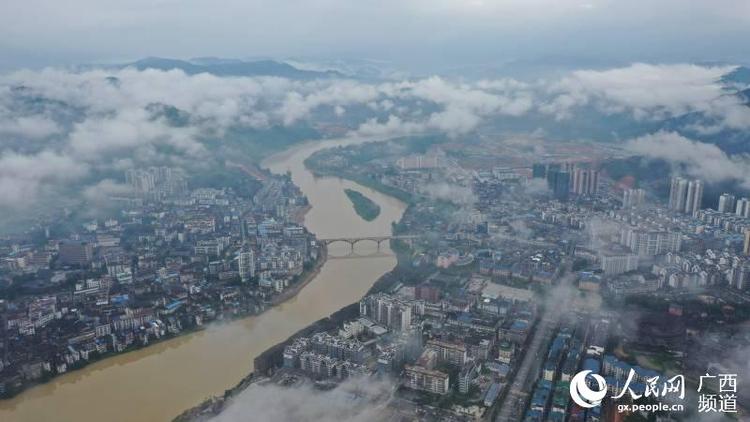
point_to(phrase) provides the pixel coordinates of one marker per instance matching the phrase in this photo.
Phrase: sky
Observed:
(421, 35)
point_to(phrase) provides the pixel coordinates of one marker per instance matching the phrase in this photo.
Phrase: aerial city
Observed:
(313, 211)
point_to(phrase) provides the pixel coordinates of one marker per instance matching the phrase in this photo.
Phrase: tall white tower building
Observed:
(246, 261)
(678, 194)
(694, 197)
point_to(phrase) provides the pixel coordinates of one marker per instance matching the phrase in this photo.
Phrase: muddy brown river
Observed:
(159, 382)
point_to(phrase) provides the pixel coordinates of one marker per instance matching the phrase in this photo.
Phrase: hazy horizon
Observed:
(418, 36)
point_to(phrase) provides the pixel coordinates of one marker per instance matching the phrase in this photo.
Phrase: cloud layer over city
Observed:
(58, 127)
(354, 400)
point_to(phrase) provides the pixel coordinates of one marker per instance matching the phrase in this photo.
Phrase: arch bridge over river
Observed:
(377, 239)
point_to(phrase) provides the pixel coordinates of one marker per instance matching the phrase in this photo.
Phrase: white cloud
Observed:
(393, 126)
(460, 107)
(125, 118)
(457, 194)
(354, 400)
(537, 187)
(701, 160)
(24, 177)
(126, 131)
(650, 92)
(99, 195)
(338, 94)
(31, 127)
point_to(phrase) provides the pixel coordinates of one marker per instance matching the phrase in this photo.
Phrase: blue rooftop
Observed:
(519, 325)
(174, 305)
(592, 365)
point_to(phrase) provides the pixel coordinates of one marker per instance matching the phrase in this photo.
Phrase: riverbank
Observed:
(299, 216)
(373, 184)
(271, 359)
(84, 364)
(320, 171)
(303, 280)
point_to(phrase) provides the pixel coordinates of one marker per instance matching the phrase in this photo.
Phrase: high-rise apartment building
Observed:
(677, 194)
(246, 261)
(539, 171)
(156, 181)
(388, 310)
(416, 162)
(585, 181)
(618, 263)
(726, 203)
(694, 197)
(685, 196)
(644, 242)
(454, 353)
(420, 378)
(559, 183)
(633, 198)
(742, 208)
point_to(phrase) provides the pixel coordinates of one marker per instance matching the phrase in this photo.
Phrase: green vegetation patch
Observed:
(364, 206)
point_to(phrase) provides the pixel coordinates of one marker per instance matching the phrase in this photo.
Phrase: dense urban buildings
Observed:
(175, 258)
(465, 335)
(462, 328)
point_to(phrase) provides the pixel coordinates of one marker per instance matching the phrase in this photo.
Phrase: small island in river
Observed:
(364, 206)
